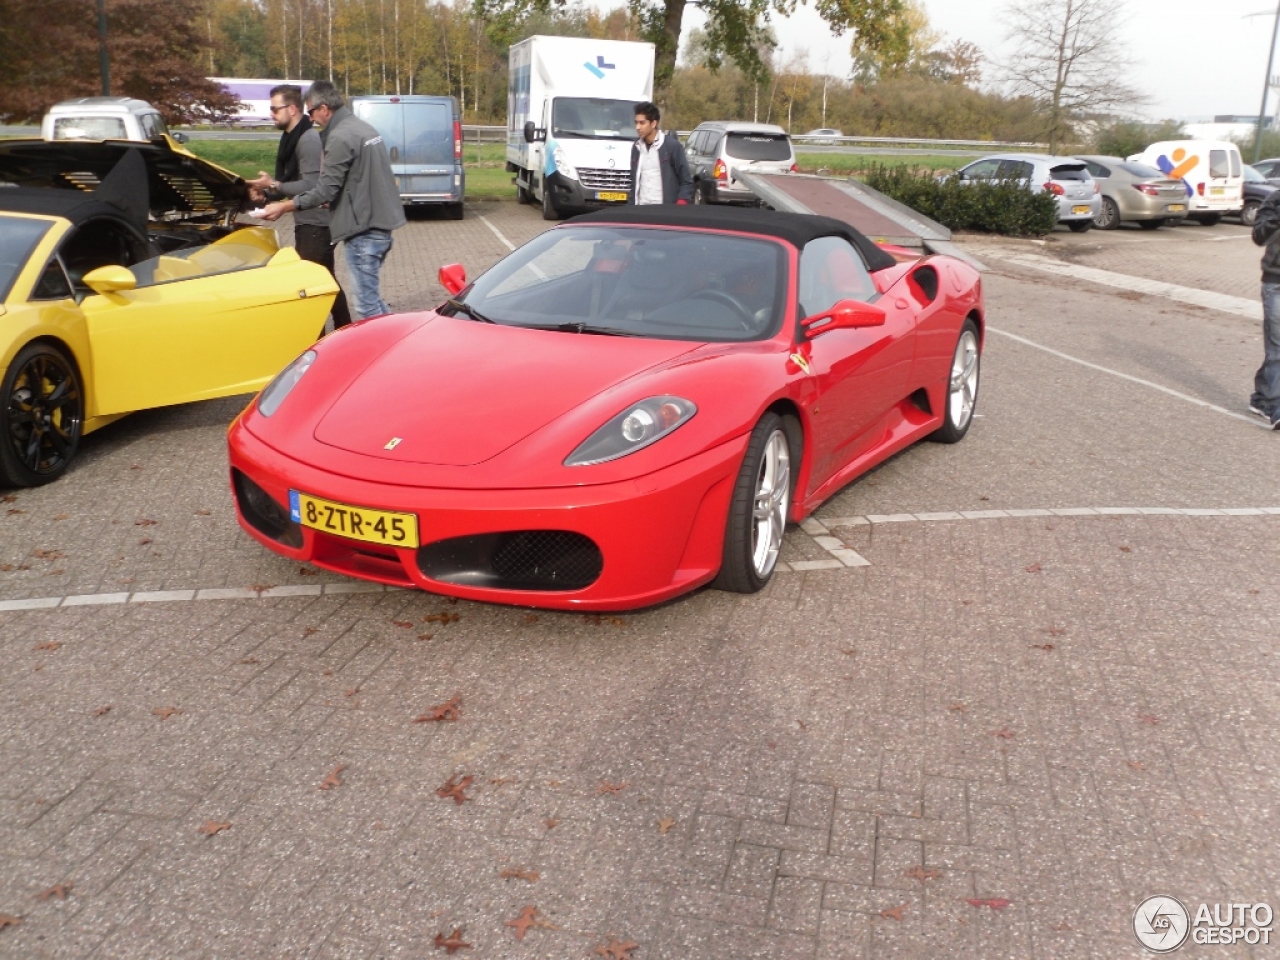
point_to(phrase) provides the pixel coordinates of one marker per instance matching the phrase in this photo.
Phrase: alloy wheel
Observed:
(964, 380)
(43, 414)
(772, 499)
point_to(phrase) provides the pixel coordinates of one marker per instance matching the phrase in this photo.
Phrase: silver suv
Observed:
(1068, 179)
(719, 148)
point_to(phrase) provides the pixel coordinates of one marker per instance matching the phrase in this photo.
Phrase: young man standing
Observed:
(659, 168)
(357, 182)
(1265, 401)
(297, 171)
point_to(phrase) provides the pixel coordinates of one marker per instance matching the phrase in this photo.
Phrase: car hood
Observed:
(170, 183)
(458, 392)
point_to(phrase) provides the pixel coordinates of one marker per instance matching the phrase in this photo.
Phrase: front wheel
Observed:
(42, 416)
(761, 501)
(549, 211)
(1079, 226)
(1108, 217)
(1249, 215)
(962, 387)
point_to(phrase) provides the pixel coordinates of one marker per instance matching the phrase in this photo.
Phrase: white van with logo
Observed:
(1210, 170)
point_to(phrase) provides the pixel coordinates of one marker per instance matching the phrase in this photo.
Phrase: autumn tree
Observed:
(1066, 57)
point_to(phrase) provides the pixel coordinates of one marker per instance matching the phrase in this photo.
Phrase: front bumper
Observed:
(659, 536)
(569, 194)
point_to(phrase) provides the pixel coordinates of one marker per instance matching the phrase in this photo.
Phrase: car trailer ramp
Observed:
(868, 211)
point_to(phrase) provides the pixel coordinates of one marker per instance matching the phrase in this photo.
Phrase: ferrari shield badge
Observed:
(392, 443)
(799, 360)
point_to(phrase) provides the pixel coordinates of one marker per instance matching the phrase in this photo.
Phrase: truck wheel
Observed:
(549, 211)
(522, 194)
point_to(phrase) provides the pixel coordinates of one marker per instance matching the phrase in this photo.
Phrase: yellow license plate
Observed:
(1177, 207)
(1217, 191)
(611, 196)
(1080, 208)
(355, 523)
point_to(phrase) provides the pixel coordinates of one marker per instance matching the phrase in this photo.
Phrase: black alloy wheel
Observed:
(42, 416)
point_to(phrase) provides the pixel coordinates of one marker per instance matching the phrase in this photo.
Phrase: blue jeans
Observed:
(365, 254)
(1266, 382)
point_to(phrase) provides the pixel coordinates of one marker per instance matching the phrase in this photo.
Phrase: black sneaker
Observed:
(1258, 411)
(1275, 424)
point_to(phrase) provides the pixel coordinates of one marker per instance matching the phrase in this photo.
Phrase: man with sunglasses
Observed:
(298, 160)
(357, 183)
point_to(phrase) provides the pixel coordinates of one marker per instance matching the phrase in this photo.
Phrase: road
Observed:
(1052, 693)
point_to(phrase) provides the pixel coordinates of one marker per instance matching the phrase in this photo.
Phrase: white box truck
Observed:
(571, 120)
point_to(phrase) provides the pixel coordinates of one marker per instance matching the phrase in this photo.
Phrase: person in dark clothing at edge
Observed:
(1265, 401)
(297, 171)
(357, 183)
(659, 168)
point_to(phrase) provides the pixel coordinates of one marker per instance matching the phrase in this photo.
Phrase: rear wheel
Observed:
(1079, 226)
(1249, 215)
(761, 501)
(1151, 224)
(42, 416)
(698, 196)
(523, 195)
(962, 387)
(1108, 217)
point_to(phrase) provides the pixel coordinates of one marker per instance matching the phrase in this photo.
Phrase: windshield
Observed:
(1252, 175)
(594, 119)
(1142, 170)
(89, 128)
(758, 146)
(635, 281)
(18, 237)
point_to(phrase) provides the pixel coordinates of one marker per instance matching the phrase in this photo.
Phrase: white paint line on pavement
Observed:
(497, 233)
(1171, 291)
(1252, 421)
(878, 519)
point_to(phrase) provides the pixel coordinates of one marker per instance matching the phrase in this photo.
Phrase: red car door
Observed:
(860, 374)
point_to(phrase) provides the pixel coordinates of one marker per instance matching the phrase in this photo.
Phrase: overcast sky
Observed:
(1194, 58)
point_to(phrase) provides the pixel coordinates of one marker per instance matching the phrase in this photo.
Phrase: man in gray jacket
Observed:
(297, 171)
(1265, 401)
(357, 183)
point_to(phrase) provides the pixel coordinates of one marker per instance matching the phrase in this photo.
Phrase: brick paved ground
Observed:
(1069, 713)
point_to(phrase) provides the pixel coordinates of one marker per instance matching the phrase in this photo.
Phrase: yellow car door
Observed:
(215, 321)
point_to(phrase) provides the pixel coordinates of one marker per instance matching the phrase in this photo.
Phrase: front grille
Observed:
(263, 513)
(599, 178)
(515, 560)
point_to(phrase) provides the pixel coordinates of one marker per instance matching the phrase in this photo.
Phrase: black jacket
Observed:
(677, 181)
(1266, 233)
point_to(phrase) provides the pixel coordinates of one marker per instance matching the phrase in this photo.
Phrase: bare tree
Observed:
(1066, 57)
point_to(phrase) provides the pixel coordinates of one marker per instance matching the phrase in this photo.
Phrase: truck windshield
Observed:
(593, 119)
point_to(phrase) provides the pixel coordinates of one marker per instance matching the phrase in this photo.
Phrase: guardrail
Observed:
(991, 145)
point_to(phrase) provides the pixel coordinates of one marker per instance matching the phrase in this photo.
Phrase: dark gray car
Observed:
(1135, 192)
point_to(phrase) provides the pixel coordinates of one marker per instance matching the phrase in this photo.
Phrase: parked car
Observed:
(618, 412)
(125, 285)
(719, 148)
(1256, 189)
(825, 135)
(1135, 192)
(1210, 173)
(1268, 168)
(1068, 179)
(424, 137)
(105, 118)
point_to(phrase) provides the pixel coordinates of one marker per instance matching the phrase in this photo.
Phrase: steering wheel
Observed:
(745, 316)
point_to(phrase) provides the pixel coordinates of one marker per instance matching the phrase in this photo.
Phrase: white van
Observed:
(1211, 171)
(105, 118)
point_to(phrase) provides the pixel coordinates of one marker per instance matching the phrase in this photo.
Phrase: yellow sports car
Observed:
(125, 284)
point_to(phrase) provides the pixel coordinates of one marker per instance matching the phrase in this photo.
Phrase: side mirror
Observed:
(530, 131)
(844, 315)
(453, 277)
(180, 137)
(110, 280)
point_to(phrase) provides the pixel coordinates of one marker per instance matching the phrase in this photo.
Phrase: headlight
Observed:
(563, 165)
(270, 399)
(633, 429)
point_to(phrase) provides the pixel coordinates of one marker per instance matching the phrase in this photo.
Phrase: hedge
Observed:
(1006, 207)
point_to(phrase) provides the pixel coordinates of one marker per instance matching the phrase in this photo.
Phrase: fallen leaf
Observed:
(453, 787)
(164, 713)
(202, 512)
(551, 824)
(665, 824)
(1046, 647)
(607, 787)
(1034, 568)
(307, 572)
(1148, 719)
(513, 874)
(261, 588)
(529, 917)
(1004, 733)
(248, 659)
(6, 567)
(771, 745)
(47, 645)
(145, 522)
(918, 873)
(1126, 549)
(500, 781)
(58, 891)
(966, 602)
(8, 921)
(1136, 764)
(530, 618)
(617, 950)
(453, 942)
(63, 516)
(599, 618)
(894, 913)
(333, 779)
(447, 712)
(995, 903)
(442, 618)
(308, 631)
(351, 693)
(1055, 631)
(849, 653)
(406, 624)
(212, 828)
(803, 725)
(379, 825)
(327, 673)
(144, 541)
(136, 466)
(425, 636)
(14, 511)
(9, 498)
(103, 710)
(47, 554)
(958, 707)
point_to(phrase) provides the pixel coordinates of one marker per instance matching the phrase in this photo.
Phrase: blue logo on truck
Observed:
(599, 67)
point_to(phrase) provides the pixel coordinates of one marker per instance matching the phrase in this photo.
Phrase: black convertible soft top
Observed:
(795, 228)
